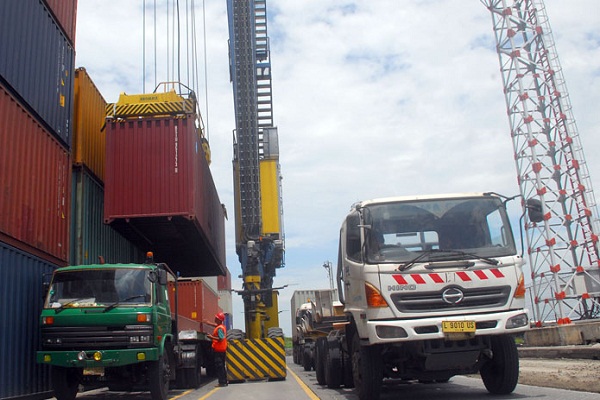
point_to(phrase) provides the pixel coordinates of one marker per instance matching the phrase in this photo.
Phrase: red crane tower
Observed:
(552, 172)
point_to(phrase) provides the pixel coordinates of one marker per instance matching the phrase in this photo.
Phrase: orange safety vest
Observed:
(220, 345)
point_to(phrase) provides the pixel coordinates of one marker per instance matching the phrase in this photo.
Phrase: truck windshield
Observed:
(436, 230)
(99, 288)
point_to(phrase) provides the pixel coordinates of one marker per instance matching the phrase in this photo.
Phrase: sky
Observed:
(371, 99)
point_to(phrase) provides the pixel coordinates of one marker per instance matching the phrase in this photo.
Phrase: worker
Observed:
(219, 345)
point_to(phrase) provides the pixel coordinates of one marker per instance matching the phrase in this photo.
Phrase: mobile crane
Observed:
(257, 177)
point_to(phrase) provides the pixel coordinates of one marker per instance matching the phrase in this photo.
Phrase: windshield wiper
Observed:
(464, 255)
(437, 255)
(412, 262)
(113, 305)
(62, 306)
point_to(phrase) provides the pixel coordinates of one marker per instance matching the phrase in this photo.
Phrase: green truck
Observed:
(111, 325)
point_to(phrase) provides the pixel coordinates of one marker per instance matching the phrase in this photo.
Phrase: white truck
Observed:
(314, 315)
(432, 287)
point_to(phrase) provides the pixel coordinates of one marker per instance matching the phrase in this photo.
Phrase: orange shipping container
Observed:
(89, 138)
(35, 184)
(196, 302)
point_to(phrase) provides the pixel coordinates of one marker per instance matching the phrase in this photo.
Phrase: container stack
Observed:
(36, 104)
(90, 237)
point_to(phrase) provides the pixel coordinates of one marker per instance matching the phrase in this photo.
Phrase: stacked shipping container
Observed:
(36, 95)
(90, 237)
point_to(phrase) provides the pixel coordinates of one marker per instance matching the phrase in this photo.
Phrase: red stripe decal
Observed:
(436, 278)
(497, 273)
(463, 276)
(481, 274)
(400, 279)
(418, 279)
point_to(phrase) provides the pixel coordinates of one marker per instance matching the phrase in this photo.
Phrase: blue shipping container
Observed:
(37, 63)
(21, 300)
(90, 237)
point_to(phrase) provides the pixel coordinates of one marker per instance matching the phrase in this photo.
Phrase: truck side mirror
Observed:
(162, 277)
(534, 210)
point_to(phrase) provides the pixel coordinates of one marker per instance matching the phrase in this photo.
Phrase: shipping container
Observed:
(90, 237)
(196, 303)
(35, 183)
(159, 193)
(65, 13)
(36, 63)
(224, 281)
(21, 299)
(89, 138)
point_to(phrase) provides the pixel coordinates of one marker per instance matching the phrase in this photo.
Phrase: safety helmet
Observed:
(220, 316)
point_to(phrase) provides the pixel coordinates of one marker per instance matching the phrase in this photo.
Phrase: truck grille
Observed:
(433, 301)
(97, 338)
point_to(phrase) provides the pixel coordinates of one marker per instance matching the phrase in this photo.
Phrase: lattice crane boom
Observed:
(551, 167)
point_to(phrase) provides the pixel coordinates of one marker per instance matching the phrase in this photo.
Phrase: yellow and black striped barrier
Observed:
(256, 359)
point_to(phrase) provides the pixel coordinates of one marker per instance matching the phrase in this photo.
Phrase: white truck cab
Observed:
(432, 287)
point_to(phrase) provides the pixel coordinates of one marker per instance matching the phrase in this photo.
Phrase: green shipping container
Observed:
(90, 237)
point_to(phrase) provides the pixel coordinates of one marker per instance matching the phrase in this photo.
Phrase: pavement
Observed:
(587, 352)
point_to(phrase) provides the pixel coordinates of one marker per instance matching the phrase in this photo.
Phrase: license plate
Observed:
(458, 326)
(99, 371)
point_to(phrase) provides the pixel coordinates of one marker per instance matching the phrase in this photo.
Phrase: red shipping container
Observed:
(196, 302)
(65, 12)
(224, 282)
(159, 193)
(35, 184)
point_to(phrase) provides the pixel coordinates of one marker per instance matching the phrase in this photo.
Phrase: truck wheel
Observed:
(235, 334)
(307, 357)
(367, 370)
(333, 366)
(501, 373)
(158, 377)
(274, 332)
(347, 368)
(65, 382)
(320, 349)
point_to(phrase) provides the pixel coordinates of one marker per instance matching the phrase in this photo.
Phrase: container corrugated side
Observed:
(159, 193)
(21, 299)
(35, 183)
(196, 302)
(224, 281)
(90, 237)
(89, 139)
(65, 12)
(36, 62)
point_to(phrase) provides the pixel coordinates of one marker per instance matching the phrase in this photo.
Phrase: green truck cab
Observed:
(111, 325)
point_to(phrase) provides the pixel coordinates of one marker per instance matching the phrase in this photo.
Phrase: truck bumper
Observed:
(389, 331)
(97, 358)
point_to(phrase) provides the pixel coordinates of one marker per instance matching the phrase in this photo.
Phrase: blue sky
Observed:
(372, 98)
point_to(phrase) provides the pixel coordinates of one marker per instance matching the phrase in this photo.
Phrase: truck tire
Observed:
(307, 357)
(347, 368)
(65, 382)
(501, 373)
(367, 370)
(333, 365)
(158, 377)
(320, 349)
(235, 334)
(274, 332)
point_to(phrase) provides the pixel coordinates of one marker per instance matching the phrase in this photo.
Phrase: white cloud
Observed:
(371, 98)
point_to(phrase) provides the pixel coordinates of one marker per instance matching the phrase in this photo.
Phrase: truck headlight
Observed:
(517, 321)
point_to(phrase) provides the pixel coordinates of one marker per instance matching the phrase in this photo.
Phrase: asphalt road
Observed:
(303, 385)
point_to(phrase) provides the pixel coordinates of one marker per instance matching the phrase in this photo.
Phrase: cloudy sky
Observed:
(372, 98)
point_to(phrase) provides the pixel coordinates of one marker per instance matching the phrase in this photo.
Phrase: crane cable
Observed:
(173, 49)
